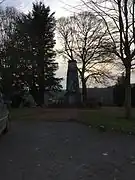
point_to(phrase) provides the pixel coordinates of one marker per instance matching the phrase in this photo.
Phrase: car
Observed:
(4, 116)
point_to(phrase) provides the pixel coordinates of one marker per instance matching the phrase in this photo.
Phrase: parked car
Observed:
(4, 116)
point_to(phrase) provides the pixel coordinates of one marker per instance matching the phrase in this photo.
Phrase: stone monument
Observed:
(72, 86)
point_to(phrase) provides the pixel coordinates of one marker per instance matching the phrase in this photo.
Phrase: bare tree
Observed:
(119, 19)
(81, 36)
(1, 1)
(8, 16)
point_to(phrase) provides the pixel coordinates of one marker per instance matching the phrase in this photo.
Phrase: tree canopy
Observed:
(119, 19)
(28, 51)
(81, 37)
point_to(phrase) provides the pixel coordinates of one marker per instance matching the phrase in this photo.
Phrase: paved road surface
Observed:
(65, 151)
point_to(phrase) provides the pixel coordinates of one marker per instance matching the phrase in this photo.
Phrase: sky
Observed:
(61, 8)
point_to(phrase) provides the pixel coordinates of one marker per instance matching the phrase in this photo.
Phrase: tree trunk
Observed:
(128, 93)
(41, 88)
(41, 76)
(84, 91)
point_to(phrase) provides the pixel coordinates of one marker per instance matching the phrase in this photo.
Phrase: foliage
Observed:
(119, 92)
(29, 54)
(8, 18)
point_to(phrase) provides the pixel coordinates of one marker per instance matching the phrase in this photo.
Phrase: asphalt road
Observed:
(65, 151)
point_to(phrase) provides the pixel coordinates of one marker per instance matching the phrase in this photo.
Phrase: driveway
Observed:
(38, 150)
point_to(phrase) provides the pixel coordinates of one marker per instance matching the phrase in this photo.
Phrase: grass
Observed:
(42, 114)
(111, 118)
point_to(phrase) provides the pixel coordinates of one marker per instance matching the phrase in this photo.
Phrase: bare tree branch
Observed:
(83, 37)
(118, 16)
(1, 1)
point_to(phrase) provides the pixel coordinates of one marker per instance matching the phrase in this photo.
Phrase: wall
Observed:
(105, 95)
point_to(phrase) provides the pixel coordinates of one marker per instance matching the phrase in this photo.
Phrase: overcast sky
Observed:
(60, 7)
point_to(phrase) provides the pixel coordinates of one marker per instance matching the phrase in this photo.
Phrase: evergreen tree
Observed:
(38, 27)
(30, 52)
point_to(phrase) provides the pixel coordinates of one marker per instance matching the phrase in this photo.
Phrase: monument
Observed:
(73, 96)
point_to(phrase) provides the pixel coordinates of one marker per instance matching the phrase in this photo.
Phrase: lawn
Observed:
(111, 118)
(45, 114)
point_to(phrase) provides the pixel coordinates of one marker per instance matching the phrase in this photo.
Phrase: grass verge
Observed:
(106, 119)
(111, 118)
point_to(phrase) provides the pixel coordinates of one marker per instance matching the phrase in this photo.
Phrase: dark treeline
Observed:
(27, 51)
(119, 92)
